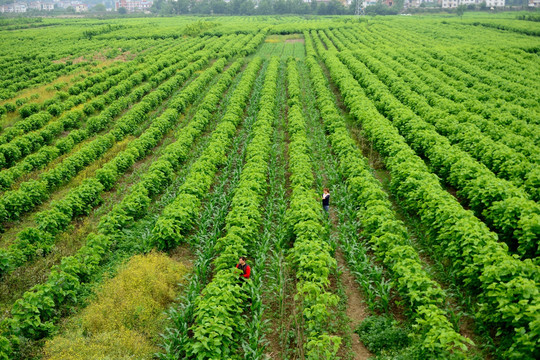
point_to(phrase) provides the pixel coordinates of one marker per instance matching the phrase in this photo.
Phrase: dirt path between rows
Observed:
(357, 310)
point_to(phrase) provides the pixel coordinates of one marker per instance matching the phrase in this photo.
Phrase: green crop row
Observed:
(83, 198)
(451, 120)
(463, 128)
(504, 88)
(135, 203)
(34, 315)
(177, 340)
(46, 74)
(218, 311)
(480, 97)
(386, 234)
(16, 202)
(179, 216)
(506, 288)
(504, 121)
(506, 208)
(30, 142)
(311, 254)
(74, 119)
(63, 101)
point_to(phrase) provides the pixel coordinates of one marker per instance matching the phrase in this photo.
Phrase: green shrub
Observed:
(379, 333)
(28, 110)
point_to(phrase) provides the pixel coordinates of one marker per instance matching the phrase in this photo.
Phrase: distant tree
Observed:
(180, 6)
(460, 10)
(266, 7)
(321, 9)
(334, 7)
(398, 5)
(313, 5)
(122, 10)
(99, 8)
(242, 7)
(298, 7)
(157, 5)
(281, 7)
(218, 6)
(352, 7)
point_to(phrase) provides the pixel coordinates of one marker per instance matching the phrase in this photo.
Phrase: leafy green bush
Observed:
(28, 110)
(380, 333)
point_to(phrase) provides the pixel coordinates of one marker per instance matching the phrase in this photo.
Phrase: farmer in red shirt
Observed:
(246, 270)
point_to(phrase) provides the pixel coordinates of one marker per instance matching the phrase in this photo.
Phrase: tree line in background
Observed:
(249, 7)
(282, 7)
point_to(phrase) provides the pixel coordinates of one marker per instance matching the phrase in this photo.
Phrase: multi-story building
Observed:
(64, 4)
(133, 6)
(40, 6)
(494, 3)
(80, 8)
(455, 3)
(35, 5)
(14, 8)
(534, 3)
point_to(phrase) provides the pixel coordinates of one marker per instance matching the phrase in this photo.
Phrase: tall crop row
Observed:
(218, 311)
(507, 288)
(485, 99)
(66, 281)
(463, 128)
(507, 123)
(15, 203)
(311, 253)
(506, 208)
(83, 198)
(79, 93)
(119, 98)
(386, 235)
(468, 130)
(136, 202)
(153, 75)
(179, 216)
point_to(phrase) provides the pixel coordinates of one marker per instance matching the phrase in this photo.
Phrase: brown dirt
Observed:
(64, 60)
(294, 41)
(184, 255)
(356, 308)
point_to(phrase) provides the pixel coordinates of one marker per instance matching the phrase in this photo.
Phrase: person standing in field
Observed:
(326, 200)
(246, 270)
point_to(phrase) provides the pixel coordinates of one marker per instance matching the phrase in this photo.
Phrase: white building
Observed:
(35, 5)
(80, 8)
(14, 8)
(133, 6)
(40, 6)
(417, 3)
(494, 3)
(448, 4)
(63, 4)
(534, 3)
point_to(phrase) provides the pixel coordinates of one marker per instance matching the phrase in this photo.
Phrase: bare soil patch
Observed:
(295, 41)
(357, 310)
